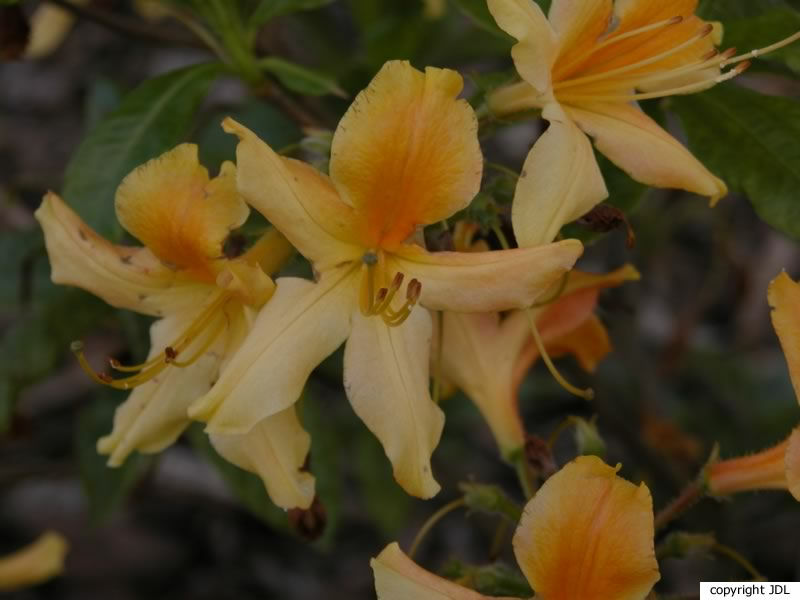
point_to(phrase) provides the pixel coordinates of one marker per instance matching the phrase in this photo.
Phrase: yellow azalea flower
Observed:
(405, 154)
(777, 467)
(488, 357)
(205, 302)
(35, 563)
(585, 68)
(587, 534)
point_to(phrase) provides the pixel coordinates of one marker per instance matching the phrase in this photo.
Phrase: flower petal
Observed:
(406, 152)
(588, 343)
(154, 414)
(275, 449)
(297, 199)
(170, 205)
(297, 329)
(535, 51)
(397, 577)
(783, 295)
(486, 281)
(125, 277)
(35, 563)
(386, 379)
(792, 461)
(560, 181)
(588, 534)
(640, 147)
(478, 360)
(578, 24)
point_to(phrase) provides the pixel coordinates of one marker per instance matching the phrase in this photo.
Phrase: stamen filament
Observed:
(685, 89)
(151, 368)
(705, 31)
(367, 289)
(587, 393)
(761, 51)
(388, 296)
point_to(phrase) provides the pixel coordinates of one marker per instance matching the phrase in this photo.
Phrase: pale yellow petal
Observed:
(560, 181)
(640, 147)
(297, 199)
(154, 414)
(486, 281)
(297, 329)
(397, 577)
(275, 450)
(50, 25)
(784, 298)
(169, 204)
(125, 277)
(406, 152)
(537, 45)
(35, 563)
(792, 462)
(478, 359)
(588, 534)
(386, 380)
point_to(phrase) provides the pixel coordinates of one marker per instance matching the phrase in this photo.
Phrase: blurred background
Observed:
(695, 362)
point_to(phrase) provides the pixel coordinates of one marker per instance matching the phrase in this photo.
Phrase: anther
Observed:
(170, 353)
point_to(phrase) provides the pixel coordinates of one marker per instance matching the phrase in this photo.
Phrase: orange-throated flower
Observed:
(585, 68)
(39, 561)
(205, 302)
(487, 355)
(404, 155)
(587, 534)
(778, 467)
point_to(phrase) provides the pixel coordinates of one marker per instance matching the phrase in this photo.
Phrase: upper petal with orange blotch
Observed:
(123, 276)
(588, 534)
(578, 24)
(486, 281)
(170, 205)
(406, 152)
(784, 298)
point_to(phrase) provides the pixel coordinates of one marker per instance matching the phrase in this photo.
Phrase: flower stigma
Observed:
(380, 303)
(205, 329)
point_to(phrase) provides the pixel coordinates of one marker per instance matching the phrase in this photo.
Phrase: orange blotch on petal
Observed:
(406, 152)
(173, 208)
(588, 534)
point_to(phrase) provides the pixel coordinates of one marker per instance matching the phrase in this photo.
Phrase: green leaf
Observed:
(264, 120)
(763, 30)
(7, 396)
(248, 488)
(269, 9)
(750, 141)
(724, 10)
(105, 487)
(301, 79)
(479, 14)
(149, 121)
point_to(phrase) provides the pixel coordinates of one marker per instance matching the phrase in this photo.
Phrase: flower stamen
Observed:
(379, 303)
(149, 369)
(587, 393)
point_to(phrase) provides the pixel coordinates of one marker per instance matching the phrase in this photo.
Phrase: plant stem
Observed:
(432, 520)
(691, 494)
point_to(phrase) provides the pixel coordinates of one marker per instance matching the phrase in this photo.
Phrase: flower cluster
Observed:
(233, 348)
